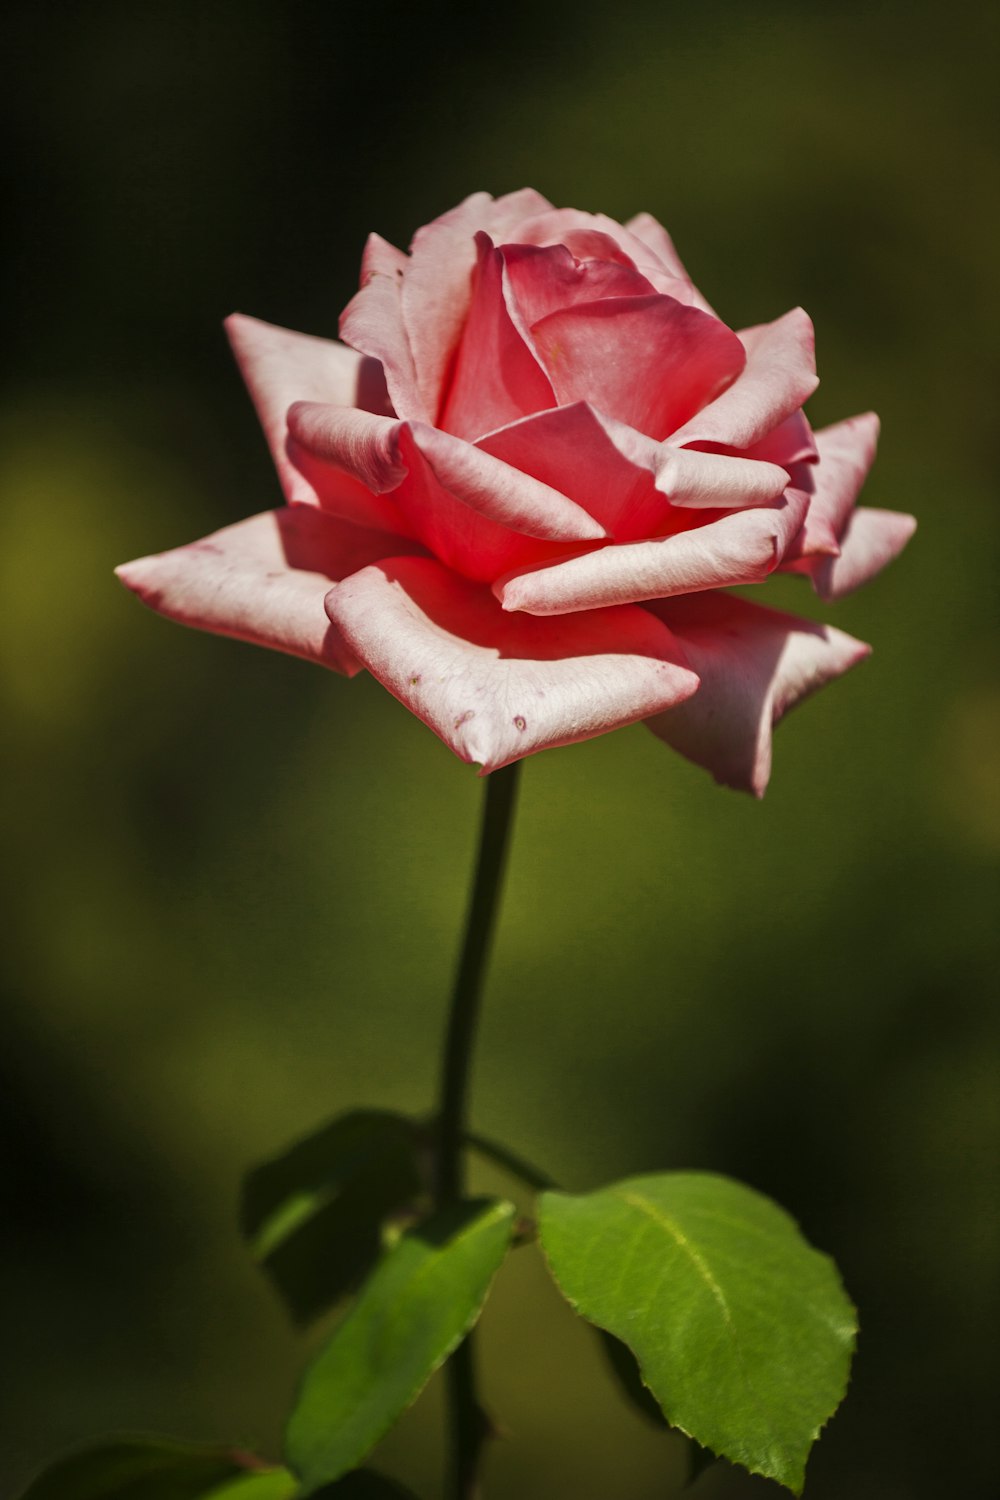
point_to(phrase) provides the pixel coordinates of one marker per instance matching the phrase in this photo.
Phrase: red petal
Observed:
(544, 279)
(475, 512)
(779, 376)
(624, 478)
(497, 376)
(436, 287)
(497, 687)
(741, 547)
(754, 664)
(647, 361)
(582, 233)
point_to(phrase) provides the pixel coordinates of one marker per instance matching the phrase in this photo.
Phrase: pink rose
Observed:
(517, 492)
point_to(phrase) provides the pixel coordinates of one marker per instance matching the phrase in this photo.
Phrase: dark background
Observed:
(237, 881)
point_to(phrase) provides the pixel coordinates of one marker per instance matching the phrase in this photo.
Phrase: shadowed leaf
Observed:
(626, 1372)
(314, 1216)
(625, 1368)
(364, 1484)
(699, 1459)
(156, 1469)
(267, 1484)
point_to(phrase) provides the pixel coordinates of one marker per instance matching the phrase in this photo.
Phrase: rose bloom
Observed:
(519, 489)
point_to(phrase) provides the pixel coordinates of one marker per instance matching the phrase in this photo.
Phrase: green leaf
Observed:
(742, 1331)
(420, 1301)
(145, 1469)
(623, 1365)
(315, 1216)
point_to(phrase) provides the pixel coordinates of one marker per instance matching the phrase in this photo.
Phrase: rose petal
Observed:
(497, 376)
(754, 664)
(592, 244)
(576, 447)
(359, 443)
(791, 442)
(546, 278)
(280, 367)
(436, 287)
(716, 481)
(376, 450)
(623, 478)
(648, 361)
(815, 539)
(553, 226)
(474, 511)
(780, 374)
(689, 477)
(846, 453)
(495, 687)
(871, 539)
(263, 580)
(577, 231)
(741, 547)
(373, 322)
(652, 234)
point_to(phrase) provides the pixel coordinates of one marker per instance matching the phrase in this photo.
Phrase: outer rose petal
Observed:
(846, 452)
(436, 284)
(476, 512)
(373, 322)
(497, 377)
(754, 664)
(280, 367)
(741, 547)
(871, 541)
(263, 580)
(496, 688)
(650, 362)
(780, 374)
(652, 233)
(791, 442)
(841, 548)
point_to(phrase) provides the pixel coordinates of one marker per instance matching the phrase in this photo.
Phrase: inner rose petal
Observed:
(648, 361)
(497, 376)
(544, 279)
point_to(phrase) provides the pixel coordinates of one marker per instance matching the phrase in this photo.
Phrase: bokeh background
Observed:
(237, 881)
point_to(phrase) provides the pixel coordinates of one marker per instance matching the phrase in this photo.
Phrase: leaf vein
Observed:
(635, 1200)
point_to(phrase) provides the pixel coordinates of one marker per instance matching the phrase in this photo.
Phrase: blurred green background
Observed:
(237, 881)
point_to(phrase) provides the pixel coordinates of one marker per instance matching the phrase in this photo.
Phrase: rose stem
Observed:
(469, 1424)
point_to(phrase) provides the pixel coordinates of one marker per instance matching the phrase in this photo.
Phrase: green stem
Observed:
(469, 1424)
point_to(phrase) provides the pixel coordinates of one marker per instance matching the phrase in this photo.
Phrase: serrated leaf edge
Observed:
(750, 1467)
